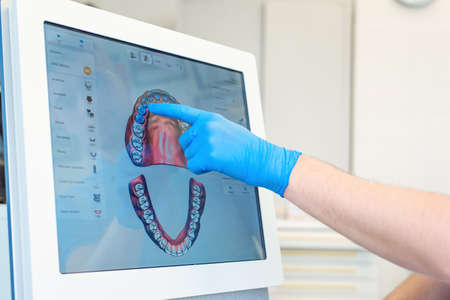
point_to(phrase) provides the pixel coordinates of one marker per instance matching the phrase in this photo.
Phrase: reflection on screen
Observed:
(124, 197)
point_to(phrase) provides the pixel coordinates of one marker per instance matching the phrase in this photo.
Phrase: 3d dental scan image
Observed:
(125, 198)
(144, 209)
(151, 140)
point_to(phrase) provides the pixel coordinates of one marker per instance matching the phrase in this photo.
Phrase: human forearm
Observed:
(419, 287)
(404, 226)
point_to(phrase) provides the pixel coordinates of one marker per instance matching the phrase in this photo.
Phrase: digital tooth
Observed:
(196, 206)
(168, 248)
(148, 216)
(137, 143)
(140, 119)
(142, 199)
(157, 235)
(188, 243)
(194, 214)
(182, 247)
(143, 202)
(137, 156)
(138, 187)
(191, 233)
(163, 243)
(145, 205)
(136, 153)
(196, 200)
(196, 193)
(196, 188)
(138, 146)
(138, 130)
(152, 226)
(196, 218)
(142, 109)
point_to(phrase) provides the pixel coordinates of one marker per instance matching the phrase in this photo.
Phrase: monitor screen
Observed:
(124, 196)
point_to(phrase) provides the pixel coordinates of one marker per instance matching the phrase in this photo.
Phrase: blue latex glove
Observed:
(214, 143)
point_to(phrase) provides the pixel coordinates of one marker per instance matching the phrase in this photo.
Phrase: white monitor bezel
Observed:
(40, 277)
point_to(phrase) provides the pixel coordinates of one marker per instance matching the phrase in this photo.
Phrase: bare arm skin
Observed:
(408, 227)
(419, 287)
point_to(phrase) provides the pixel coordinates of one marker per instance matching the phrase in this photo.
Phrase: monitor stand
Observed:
(258, 294)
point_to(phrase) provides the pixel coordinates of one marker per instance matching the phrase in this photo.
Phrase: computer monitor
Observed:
(102, 204)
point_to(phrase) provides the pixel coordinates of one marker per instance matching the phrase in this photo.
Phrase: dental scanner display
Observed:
(123, 194)
(151, 139)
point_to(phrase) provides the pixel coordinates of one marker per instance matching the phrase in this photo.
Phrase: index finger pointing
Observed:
(175, 111)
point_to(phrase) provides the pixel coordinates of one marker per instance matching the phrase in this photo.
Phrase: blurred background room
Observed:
(362, 84)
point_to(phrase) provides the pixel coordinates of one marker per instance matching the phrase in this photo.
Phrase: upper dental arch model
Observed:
(151, 140)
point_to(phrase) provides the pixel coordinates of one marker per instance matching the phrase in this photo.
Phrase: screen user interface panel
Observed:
(124, 197)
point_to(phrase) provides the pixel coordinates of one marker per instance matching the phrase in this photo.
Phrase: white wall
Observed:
(161, 13)
(307, 68)
(234, 23)
(401, 100)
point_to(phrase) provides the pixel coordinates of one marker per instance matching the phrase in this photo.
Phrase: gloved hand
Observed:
(214, 143)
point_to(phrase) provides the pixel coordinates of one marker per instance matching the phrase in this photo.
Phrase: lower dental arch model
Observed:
(152, 140)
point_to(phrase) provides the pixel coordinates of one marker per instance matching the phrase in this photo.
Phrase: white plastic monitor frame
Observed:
(34, 241)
